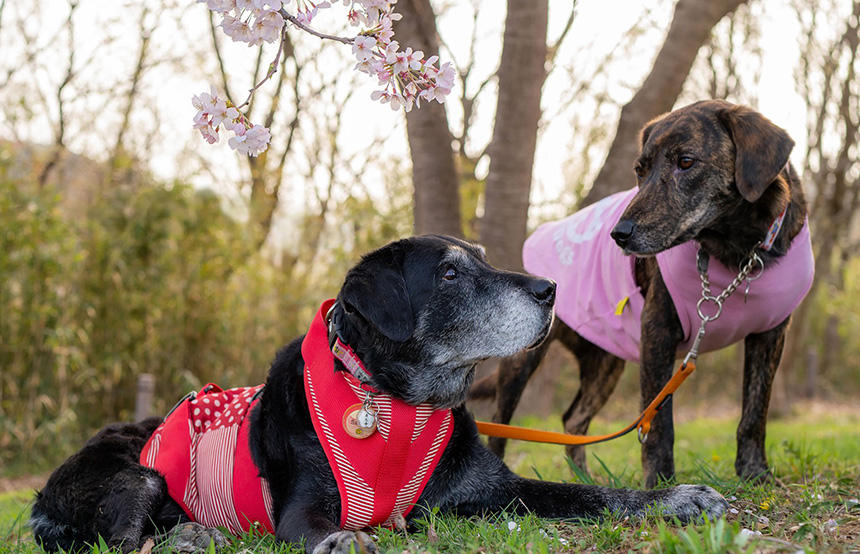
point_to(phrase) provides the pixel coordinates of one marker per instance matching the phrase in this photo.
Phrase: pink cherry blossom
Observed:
(214, 112)
(363, 47)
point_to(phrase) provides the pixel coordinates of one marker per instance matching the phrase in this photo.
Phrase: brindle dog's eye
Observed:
(450, 274)
(639, 171)
(685, 162)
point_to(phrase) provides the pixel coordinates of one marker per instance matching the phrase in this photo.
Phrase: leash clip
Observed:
(642, 436)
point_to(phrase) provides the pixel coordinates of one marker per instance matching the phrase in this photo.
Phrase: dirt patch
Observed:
(9, 484)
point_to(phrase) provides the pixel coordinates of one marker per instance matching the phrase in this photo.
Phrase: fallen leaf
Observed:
(432, 536)
(147, 547)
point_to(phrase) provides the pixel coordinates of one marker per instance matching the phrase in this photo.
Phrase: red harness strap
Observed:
(202, 451)
(384, 474)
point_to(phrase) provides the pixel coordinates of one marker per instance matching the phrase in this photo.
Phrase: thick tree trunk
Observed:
(691, 27)
(434, 176)
(521, 76)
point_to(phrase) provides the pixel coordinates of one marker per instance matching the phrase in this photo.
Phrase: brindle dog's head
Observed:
(700, 164)
(422, 311)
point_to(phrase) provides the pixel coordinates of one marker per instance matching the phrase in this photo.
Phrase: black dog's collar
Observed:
(342, 351)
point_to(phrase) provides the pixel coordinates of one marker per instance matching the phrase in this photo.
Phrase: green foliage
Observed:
(146, 278)
(710, 537)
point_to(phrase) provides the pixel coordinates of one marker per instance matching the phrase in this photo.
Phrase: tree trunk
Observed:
(434, 176)
(691, 27)
(521, 76)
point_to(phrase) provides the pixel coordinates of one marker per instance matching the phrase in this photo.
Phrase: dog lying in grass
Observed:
(361, 422)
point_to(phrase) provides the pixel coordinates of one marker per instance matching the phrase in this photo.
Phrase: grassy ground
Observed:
(813, 507)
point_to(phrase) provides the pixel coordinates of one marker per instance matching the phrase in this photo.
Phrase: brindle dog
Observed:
(712, 172)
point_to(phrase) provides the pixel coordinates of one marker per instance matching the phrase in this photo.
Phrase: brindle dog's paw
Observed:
(755, 472)
(192, 537)
(690, 502)
(344, 542)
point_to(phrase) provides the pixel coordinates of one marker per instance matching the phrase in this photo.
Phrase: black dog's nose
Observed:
(622, 232)
(543, 290)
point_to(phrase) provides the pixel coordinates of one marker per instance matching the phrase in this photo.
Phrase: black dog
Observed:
(717, 174)
(420, 313)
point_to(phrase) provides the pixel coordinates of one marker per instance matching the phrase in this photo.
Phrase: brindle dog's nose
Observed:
(622, 232)
(543, 290)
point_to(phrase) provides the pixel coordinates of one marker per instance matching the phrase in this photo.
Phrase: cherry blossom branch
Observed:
(407, 77)
(295, 21)
(273, 68)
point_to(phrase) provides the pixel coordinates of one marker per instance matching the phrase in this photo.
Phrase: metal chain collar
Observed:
(747, 268)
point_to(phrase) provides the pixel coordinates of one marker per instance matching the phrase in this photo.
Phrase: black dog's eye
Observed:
(639, 170)
(685, 162)
(450, 274)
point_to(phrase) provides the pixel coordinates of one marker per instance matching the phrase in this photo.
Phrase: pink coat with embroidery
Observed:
(595, 277)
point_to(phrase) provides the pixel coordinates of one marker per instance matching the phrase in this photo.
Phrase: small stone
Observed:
(190, 538)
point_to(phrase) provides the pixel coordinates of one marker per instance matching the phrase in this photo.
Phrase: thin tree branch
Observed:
(59, 139)
(218, 56)
(292, 19)
(257, 64)
(552, 49)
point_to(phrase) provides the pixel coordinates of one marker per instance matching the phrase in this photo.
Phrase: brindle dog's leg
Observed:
(513, 375)
(762, 353)
(599, 372)
(661, 333)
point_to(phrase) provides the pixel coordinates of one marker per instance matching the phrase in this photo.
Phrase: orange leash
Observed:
(688, 366)
(642, 423)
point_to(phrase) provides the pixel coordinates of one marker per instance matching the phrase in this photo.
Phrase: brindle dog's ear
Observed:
(378, 293)
(761, 149)
(646, 132)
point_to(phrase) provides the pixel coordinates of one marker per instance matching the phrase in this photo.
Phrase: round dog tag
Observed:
(359, 423)
(366, 418)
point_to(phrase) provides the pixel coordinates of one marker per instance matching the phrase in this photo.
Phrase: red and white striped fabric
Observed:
(202, 451)
(383, 475)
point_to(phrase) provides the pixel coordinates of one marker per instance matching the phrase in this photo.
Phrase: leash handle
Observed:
(642, 423)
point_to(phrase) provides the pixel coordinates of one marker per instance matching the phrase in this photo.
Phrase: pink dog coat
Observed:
(597, 295)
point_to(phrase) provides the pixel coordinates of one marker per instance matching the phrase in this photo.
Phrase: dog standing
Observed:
(408, 326)
(711, 176)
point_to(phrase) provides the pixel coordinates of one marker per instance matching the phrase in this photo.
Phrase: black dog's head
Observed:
(700, 163)
(422, 311)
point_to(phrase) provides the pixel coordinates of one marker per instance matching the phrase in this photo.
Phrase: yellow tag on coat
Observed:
(619, 308)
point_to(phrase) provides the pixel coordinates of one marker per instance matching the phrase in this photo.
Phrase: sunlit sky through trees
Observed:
(107, 38)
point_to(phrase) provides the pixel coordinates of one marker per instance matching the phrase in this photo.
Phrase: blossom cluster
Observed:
(214, 112)
(405, 76)
(250, 21)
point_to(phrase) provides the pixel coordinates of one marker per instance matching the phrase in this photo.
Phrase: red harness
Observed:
(202, 451)
(384, 474)
(202, 448)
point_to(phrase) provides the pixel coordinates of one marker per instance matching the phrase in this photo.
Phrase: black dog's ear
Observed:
(379, 294)
(761, 149)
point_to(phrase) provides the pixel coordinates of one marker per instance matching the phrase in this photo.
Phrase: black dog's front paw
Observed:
(344, 542)
(192, 537)
(689, 502)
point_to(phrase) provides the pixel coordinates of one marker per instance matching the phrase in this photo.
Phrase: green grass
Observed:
(812, 508)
